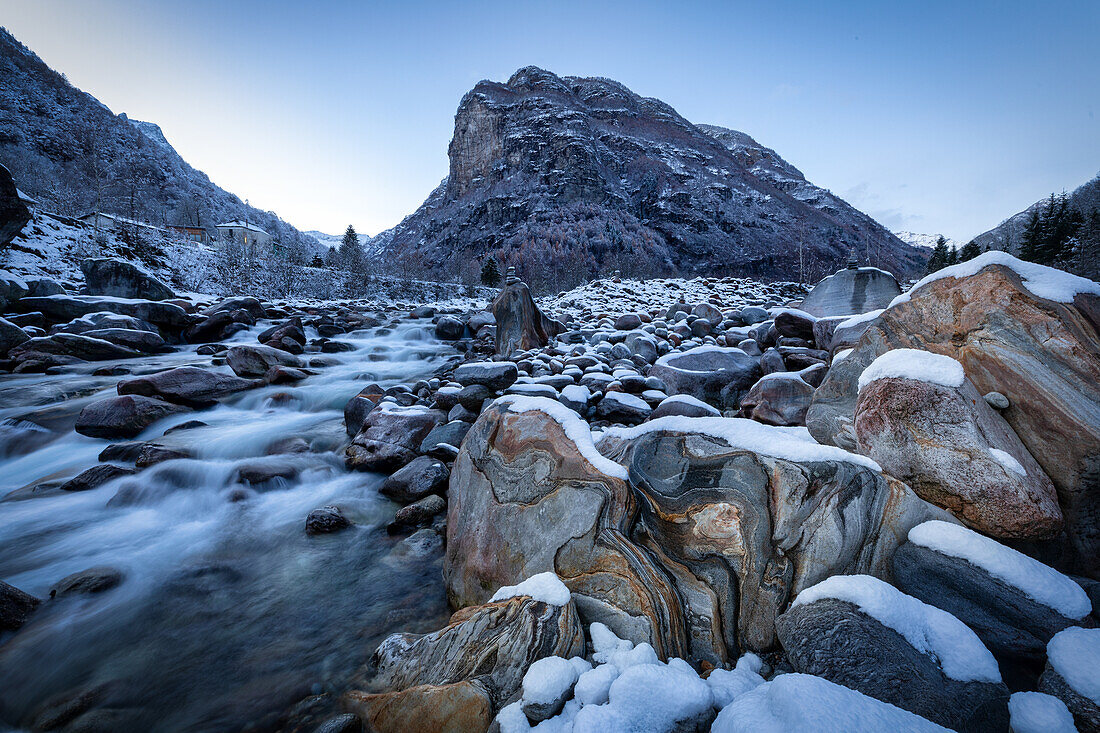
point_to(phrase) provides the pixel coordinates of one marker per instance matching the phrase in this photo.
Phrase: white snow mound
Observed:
(546, 587)
(1074, 653)
(923, 366)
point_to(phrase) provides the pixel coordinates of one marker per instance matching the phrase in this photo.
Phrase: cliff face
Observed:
(568, 177)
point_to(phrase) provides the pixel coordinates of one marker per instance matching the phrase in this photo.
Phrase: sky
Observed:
(934, 117)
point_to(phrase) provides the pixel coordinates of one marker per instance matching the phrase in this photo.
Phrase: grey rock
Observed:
(781, 398)
(451, 432)
(419, 478)
(449, 328)
(11, 335)
(254, 361)
(124, 416)
(187, 385)
(496, 376)
(326, 520)
(851, 291)
(15, 607)
(95, 477)
(391, 437)
(14, 214)
(92, 580)
(121, 279)
(715, 375)
(417, 514)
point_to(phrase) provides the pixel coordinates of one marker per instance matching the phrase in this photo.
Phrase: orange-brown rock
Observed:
(461, 707)
(1042, 354)
(520, 323)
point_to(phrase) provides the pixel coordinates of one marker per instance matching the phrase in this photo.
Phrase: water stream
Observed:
(228, 611)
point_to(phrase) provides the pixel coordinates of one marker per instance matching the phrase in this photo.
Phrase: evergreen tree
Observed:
(317, 261)
(952, 256)
(938, 260)
(490, 273)
(351, 256)
(1031, 240)
(969, 251)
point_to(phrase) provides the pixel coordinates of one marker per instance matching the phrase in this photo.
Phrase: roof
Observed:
(120, 219)
(241, 225)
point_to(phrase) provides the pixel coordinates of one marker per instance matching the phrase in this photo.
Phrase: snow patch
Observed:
(957, 649)
(923, 366)
(1006, 460)
(1034, 712)
(1039, 582)
(1074, 653)
(546, 587)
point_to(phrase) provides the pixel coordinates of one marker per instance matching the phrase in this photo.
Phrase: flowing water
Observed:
(228, 612)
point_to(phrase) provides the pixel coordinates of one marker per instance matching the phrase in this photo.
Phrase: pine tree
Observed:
(1031, 240)
(317, 261)
(952, 256)
(938, 259)
(490, 273)
(969, 251)
(351, 256)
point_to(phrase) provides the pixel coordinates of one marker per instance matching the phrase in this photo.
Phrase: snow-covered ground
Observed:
(926, 240)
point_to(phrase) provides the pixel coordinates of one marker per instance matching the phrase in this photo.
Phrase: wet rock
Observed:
(187, 385)
(188, 425)
(418, 514)
(836, 640)
(284, 375)
(622, 408)
(956, 452)
(95, 477)
(416, 480)
(15, 607)
(154, 453)
(780, 398)
(265, 469)
(358, 407)
(1041, 354)
(449, 329)
(326, 520)
(715, 375)
(127, 451)
(124, 416)
(121, 279)
(278, 336)
(146, 342)
(253, 307)
(345, 723)
(520, 323)
(854, 290)
(73, 345)
(391, 437)
(1066, 676)
(494, 375)
(93, 580)
(254, 361)
(461, 707)
(14, 214)
(63, 308)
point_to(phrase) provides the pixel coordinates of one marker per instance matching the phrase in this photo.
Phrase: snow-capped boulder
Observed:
(121, 279)
(684, 406)
(1014, 603)
(1073, 675)
(852, 290)
(11, 336)
(495, 375)
(12, 289)
(419, 478)
(1037, 712)
(64, 308)
(391, 437)
(713, 374)
(863, 633)
(1027, 331)
(779, 398)
(921, 419)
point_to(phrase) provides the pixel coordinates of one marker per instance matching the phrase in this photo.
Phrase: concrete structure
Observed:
(99, 220)
(243, 233)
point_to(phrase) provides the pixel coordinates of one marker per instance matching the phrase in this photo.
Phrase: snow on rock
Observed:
(1041, 281)
(649, 697)
(664, 360)
(1074, 653)
(550, 678)
(605, 642)
(726, 685)
(860, 318)
(575, 428)
(802, 703)
(923, 366)
(546, 587)
(1039, 582)
(1036, 712)
(749, 435)
(959, 651)
(593, 686)
(1008, 461)
(686, 399)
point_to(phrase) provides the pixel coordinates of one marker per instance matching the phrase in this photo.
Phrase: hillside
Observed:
(927, 241)
(570, 177)
(1006, 235)
(73, 154)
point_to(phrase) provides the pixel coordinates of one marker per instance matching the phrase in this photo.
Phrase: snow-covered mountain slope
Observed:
(1006, 235)
(926, 240)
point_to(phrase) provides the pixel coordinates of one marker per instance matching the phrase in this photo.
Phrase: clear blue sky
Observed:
(931, 116)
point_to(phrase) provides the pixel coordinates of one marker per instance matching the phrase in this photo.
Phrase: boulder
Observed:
(15, 607)
(1026, 331)
(685, 406)
(1070, 675)
(121, 279)
(147, 342)
(795, 323)
(925, 661)
(854, 290)
(520, 323)
(14, 214)
(993, 589)
(254, 361)
(451, 433)
(187, 385)
(93, 580)
(326, 520)
(495, 375)
(951, 447)
(491, 644)
(39, 286)
(246, 303)
(123, 417)
(12, 290)
(713, 374)
(11, 336)
(62, 308)
(628, 322)
(460, 707)
(780, 398)
(358, 407)
(95, 477)
(419, 478)
(390, 437)
(418, 514)
(77, 346)
(449, 328)
(621, 407)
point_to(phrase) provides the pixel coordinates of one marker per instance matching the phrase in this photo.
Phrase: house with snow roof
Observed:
(243, 232)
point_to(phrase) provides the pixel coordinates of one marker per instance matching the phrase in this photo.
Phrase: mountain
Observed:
(928, 241)
(328, 241)
(1006, 235)
(567, 177)
(73, 154)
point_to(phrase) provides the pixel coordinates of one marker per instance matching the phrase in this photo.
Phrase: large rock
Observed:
(63, 308)
(147, 342)
(838, 640)
(779, 398)
(77, 346)
(187, 385)
(1013, 625)
(247, 360)
(496, 375)
(14, 214)
(391, 436)
(11, 336)
(713, 374)
(15, 607)
(694, 549)
(460, 707)
(492, 645)
(520, 323)
(412, 482)
(1039, 347)
(108, 276)
(850, 291)
(952, 448)
(123, 417)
